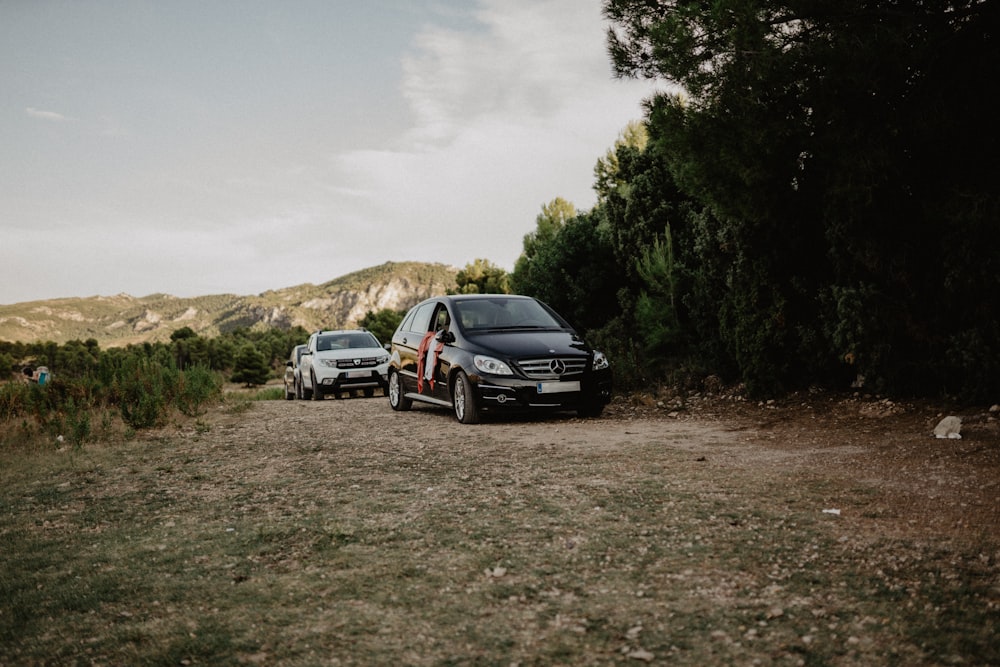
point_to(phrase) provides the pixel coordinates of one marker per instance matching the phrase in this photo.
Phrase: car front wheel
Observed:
(317, 392)
(464, 400)
(396, 398)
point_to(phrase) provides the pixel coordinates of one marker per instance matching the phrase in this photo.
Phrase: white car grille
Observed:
(365, 362)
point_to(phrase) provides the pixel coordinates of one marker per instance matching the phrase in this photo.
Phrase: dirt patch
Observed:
(709, 530)
(886, 472)
(913, 483)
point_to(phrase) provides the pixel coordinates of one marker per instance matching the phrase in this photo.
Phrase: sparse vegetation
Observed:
(242, 538)
(142, 386)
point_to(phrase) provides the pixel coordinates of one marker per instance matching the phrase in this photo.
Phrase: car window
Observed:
(346, 341)
(502, 313)
(407, 323)
(422, 318)
(441, 319)
(360, 340)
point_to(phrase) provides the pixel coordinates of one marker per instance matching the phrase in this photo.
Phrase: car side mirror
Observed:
(445, 336)
(289, 363)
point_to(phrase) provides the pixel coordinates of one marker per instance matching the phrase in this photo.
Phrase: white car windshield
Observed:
(346, 341)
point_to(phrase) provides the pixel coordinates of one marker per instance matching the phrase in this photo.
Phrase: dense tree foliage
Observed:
(571, 272)
(250, 366)
(815, 202)
(382, 323)
(482, 276)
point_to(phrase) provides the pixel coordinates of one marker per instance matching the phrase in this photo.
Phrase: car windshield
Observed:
(504, 313)
(345, 341)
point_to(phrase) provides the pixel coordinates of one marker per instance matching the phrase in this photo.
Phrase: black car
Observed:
(494, 352)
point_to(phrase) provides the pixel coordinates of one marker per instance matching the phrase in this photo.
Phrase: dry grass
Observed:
(297, 533)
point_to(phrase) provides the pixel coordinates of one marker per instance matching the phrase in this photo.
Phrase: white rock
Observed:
(949, 427)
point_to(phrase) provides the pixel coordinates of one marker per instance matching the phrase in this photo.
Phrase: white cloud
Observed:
(508, 117)
(46, 115)
(526, 61)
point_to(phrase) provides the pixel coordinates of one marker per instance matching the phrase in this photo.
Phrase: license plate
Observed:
(359, 374)
(557, 387)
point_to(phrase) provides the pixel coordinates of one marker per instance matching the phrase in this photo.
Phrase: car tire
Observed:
(395, 392)
(289, 395)
(369, 392)
(317, 392)
(591, 411)
(463, 399)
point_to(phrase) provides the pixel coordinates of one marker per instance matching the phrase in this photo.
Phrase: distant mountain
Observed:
(119, 320)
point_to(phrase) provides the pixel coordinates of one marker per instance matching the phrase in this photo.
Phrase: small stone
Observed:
(949, 427)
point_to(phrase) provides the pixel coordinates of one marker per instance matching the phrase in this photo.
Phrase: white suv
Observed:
(339, 361)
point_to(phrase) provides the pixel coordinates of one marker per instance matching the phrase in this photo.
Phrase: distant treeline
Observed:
(186, 348)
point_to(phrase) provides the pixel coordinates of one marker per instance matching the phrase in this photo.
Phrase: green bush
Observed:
(13, 400)
(198, 385)
(77, 423)
(144, 389)
(250, 367)
(141, 384)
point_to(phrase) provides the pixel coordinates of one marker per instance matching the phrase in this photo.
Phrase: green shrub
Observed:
(198, 385)
(144, 389)
(13, 400)
(77, 423)
(250, 367)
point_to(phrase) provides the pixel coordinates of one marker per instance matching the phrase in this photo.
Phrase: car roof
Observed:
(451, 298)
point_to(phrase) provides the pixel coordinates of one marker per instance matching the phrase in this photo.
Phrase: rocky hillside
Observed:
(123, 319)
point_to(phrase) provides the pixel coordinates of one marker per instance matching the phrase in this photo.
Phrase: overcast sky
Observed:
(195, 148)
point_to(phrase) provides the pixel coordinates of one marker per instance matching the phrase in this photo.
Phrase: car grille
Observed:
(552, 368)
(367, 362)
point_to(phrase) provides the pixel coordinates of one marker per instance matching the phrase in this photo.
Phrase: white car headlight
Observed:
(491, 365)
(600, 361)
(329, 363)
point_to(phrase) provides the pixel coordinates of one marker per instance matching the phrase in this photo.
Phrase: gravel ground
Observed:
(914, 483)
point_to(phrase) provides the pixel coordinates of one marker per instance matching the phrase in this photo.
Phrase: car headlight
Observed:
(384, 359)
(600, 361)
(491, 365)
(329, 363)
